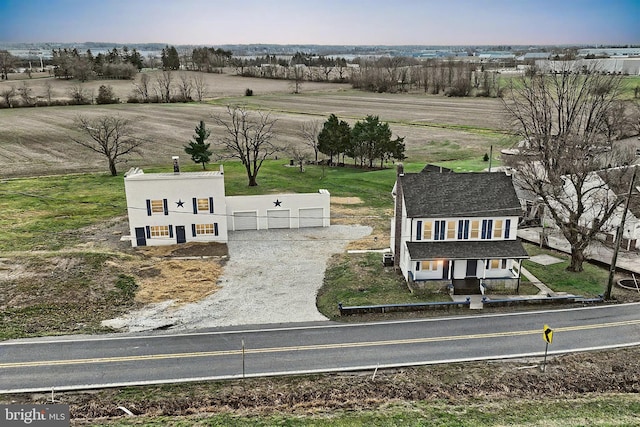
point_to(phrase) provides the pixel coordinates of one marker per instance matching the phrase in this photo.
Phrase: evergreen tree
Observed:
(334, 138)
(198, 149)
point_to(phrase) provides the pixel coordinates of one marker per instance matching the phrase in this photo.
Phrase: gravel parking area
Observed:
(272, 276)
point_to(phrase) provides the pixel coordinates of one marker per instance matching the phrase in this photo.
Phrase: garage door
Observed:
(311, 217)
(278, 218)
(245, 220)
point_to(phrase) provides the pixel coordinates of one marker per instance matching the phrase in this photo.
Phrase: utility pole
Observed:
(616, 247)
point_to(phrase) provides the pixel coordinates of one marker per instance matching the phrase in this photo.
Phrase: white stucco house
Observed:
(456, 230)
(179, 207)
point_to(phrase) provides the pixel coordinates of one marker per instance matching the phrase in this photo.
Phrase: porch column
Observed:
(519, 275)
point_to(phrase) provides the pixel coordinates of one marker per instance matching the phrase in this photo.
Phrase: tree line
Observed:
(115, 64)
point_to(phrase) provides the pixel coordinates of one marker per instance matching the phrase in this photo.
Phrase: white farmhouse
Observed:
(180, 207)
(457, 230)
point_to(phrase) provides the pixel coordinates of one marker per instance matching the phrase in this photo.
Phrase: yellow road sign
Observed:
(547, 334)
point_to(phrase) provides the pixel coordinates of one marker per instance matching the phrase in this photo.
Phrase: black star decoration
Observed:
(277, 202)
(180, 203)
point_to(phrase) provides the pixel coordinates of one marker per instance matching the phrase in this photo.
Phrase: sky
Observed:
(327, 22)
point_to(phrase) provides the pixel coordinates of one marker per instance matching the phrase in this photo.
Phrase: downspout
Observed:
(519, 275)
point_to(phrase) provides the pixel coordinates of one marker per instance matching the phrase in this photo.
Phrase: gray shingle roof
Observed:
(437, 195)
(464, 249)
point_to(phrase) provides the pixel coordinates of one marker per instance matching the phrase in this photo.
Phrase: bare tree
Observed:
(200, 86)
(297, 74)
(79, 94)
(163, 85)
(48, 91)
(110, 136)
(564, 118)
(7, 62)
(309, 132)
(8, 93)
(26, 93)
(298, 154)
(185, 85)
(248, 138)
(141, 88)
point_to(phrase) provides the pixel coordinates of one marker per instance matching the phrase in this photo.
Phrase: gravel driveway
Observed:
(272, 276)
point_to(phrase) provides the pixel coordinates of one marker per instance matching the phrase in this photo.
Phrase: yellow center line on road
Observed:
(119, 359)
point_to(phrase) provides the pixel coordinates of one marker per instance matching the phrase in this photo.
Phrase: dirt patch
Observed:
(190, 249)
(346, 200)
(349, 211)
(183, 281)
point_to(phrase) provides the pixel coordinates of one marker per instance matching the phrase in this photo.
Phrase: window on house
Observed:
(428, 265)
(497, 230)
(451, 230)
(439, 230)
(463, 229)
(426, 231)
(207, 229)
(475, 229)
(487, 226)
(495, 264)
(159, 231)
(507, 228)
(202, 205)
(158, 206)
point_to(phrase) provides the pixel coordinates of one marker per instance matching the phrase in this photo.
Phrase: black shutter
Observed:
(193, 230)
(215, 228)
(419, 230)
(148, 232)
(195, 206)
(210, 204)
(148, 207)
(171, 231)
(166, 206)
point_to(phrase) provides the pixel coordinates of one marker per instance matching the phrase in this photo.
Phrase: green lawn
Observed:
(590, 282)
(38, 213)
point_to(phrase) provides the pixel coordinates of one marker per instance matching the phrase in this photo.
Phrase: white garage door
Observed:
(278, 218)
(311, 217)
(245, 220)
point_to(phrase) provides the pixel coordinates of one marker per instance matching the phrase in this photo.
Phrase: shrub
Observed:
(248, 92)
(106, 96)
(485, 157)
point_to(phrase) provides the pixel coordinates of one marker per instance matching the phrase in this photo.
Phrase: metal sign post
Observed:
(547, 335)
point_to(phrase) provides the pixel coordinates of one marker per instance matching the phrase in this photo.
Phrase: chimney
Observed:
(176, 165)
(398, 217)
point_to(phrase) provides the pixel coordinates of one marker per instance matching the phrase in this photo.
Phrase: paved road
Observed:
(91, 362)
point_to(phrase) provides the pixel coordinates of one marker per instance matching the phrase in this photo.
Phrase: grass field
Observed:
(36, 141)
